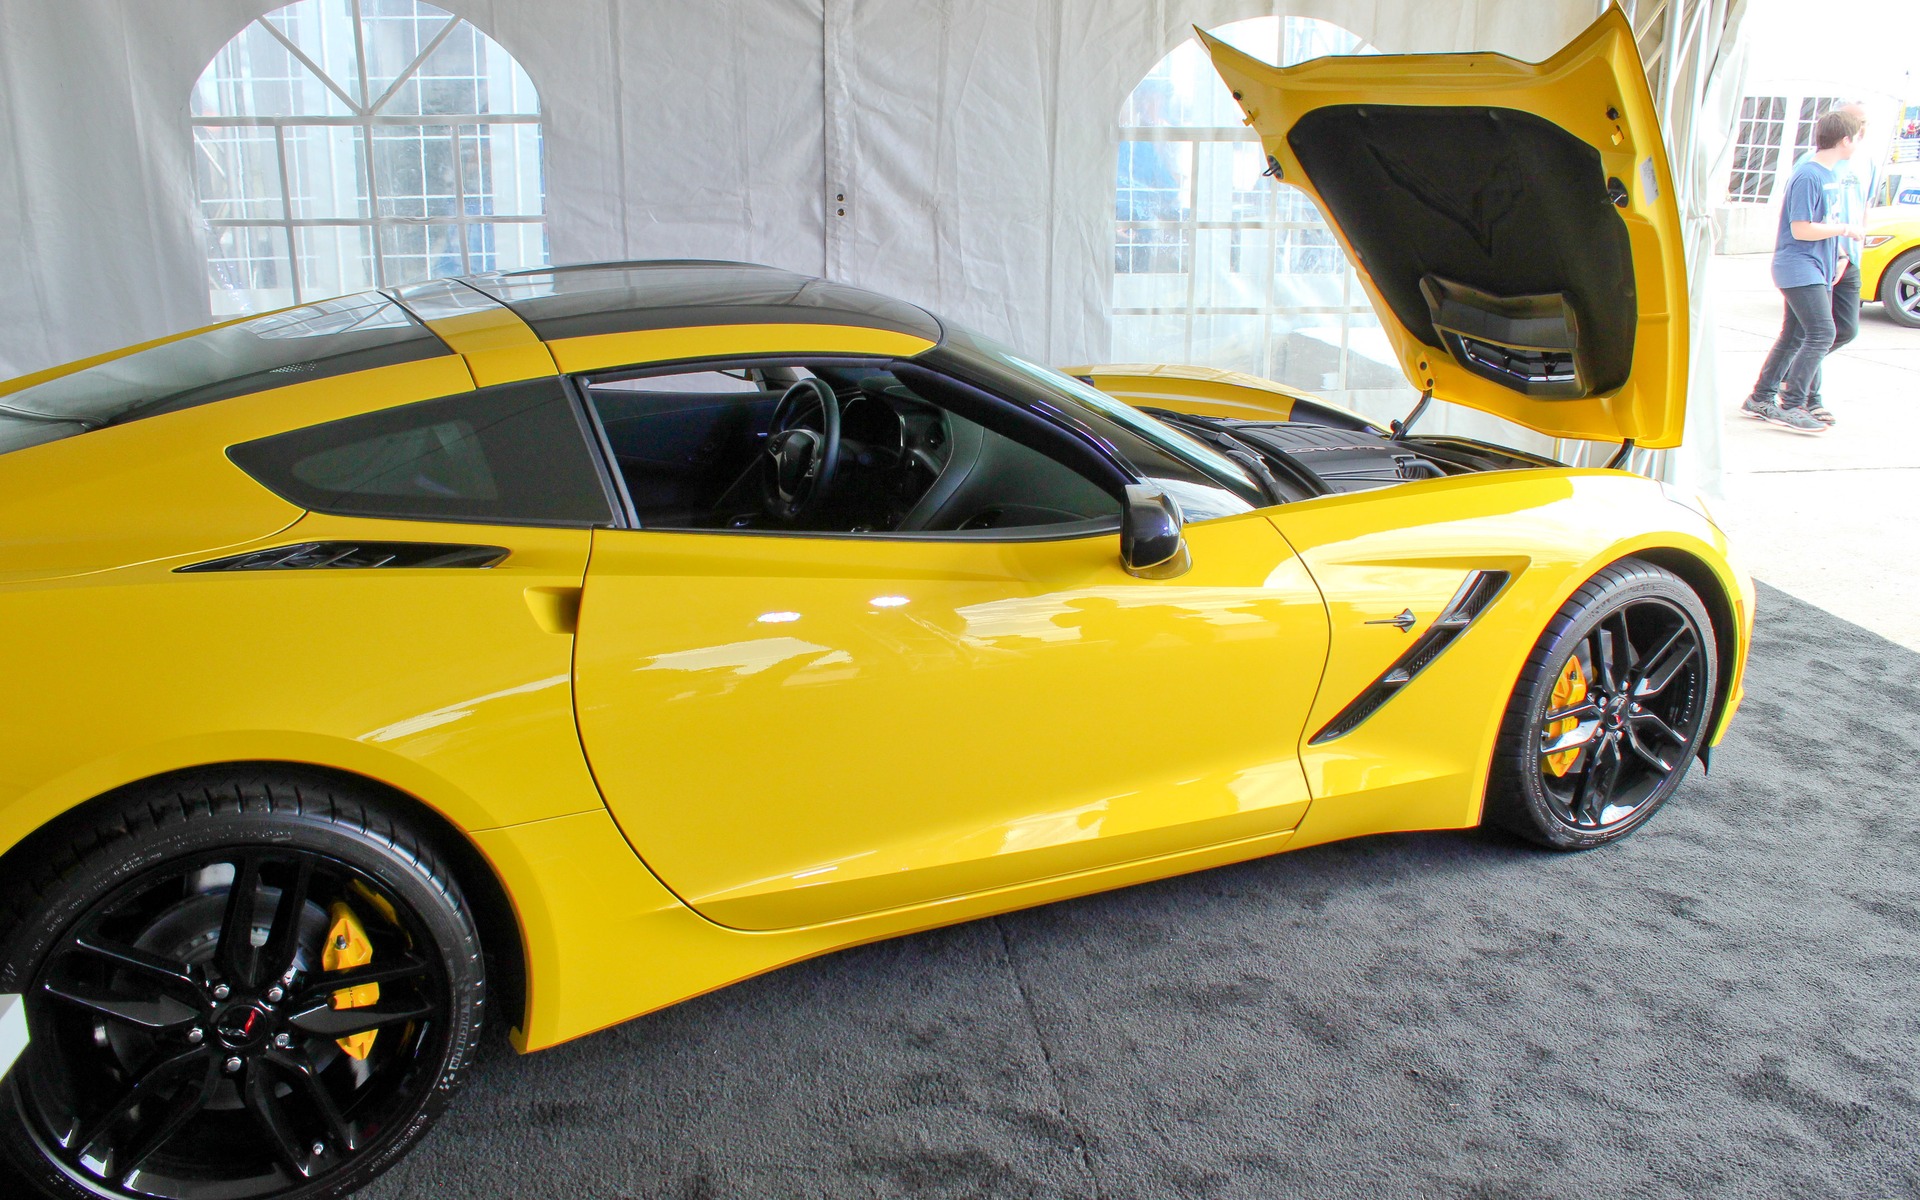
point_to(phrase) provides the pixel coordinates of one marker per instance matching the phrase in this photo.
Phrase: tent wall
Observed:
(974, 140)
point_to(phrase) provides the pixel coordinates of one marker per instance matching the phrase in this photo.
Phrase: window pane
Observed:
(327, 171)
(1235, 342)
(500, 169)
(506, 247)
(238, 172)
(513, 454)
(323, 31)
(1227, 183)
(335, 260)
(1213, 260)
(247, 269)
(255, 75)
(414, 171)
(1371, 363)
(396, 31)
(1150, 339)
(1216, 284)
(412, 253)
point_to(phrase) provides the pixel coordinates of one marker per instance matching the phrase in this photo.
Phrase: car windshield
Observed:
(1205, 482)
(332, 337)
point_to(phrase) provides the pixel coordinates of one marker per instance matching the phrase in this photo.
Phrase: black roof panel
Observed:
(564, 302)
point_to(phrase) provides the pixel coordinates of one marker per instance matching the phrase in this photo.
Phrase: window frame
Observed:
(365, 116)
(1269, 239)
(1805, 129)
(1749, 182)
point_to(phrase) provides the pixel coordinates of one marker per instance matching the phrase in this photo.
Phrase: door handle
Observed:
(555, 609)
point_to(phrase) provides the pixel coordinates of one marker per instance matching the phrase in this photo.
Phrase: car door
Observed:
(795, 728)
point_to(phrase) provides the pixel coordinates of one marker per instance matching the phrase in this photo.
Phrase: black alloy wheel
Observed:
(254, 987)
(1611, 709)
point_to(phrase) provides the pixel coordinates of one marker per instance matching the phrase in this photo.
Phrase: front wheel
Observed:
(238, 985)
(1610, 709)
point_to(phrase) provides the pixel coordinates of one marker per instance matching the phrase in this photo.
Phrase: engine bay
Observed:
(1309, 458)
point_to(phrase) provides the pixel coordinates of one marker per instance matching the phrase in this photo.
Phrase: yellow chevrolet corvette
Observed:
(560, 645)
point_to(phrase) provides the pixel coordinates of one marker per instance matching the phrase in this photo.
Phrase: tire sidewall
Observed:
(184, 833)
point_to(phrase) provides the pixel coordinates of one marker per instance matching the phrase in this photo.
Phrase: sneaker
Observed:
(1797, 419)
(1756, 407)
(1819, 413)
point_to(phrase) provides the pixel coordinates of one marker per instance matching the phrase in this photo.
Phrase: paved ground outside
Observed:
(1830, 518)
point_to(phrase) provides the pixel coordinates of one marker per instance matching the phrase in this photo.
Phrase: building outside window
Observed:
(1756, 149)
(341, 145)
(1811, 108)
(1219, 265)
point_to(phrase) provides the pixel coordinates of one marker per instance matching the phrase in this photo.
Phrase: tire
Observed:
(1900, 289)
(154, 993)
(1593, 764)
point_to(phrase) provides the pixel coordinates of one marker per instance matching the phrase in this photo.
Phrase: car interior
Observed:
(827, 446)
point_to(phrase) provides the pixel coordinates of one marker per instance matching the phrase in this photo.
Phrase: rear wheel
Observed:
(1900, 289)
(1610, 710)
(240, 986)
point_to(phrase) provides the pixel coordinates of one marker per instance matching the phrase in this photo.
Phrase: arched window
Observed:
(341, 145)
(1214, 264)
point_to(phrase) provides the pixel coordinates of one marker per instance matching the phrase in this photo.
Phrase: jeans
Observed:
(1845, 323)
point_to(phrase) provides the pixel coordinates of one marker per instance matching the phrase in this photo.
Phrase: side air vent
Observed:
(1475, 594)
(307, 556)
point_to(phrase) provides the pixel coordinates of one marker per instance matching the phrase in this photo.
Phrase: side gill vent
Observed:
(307, 556)
(1475, 594)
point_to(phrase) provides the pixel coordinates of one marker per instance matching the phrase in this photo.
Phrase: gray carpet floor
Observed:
(1721, 1006)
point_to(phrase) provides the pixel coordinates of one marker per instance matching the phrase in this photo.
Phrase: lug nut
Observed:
(220, 992)
(233, 1064)
(319, 1148)
(274, 994)
(195, 1037)
(340, 943)
(282, 1040)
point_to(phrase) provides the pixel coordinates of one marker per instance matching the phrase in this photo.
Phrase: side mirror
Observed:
(1151, 545)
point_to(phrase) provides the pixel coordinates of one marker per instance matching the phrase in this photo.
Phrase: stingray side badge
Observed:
(1404, 622)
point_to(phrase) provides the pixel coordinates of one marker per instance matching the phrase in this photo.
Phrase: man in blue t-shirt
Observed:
(1806, 265)
(1858, 179)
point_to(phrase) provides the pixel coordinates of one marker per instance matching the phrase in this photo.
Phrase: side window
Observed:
(755, 447)
(514, 455)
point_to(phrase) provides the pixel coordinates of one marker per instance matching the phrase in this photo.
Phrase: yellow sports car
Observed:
(1890, 263)
(557, 646)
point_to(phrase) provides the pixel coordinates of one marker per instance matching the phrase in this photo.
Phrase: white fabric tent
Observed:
(973, 142)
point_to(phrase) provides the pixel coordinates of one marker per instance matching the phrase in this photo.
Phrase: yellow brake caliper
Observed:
(1568, 690)
(348, 947)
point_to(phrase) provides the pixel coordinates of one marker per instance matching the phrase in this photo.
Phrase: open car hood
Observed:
(1514, 223)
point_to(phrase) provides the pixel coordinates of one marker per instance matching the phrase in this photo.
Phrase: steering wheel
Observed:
(801, 461)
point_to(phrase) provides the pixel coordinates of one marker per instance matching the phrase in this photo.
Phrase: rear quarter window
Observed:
(516, 454)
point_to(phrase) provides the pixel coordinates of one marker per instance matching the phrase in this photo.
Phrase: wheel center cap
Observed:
(1615, 716)
(241, 1027)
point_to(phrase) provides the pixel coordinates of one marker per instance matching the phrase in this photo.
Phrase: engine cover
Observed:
(1346, 460)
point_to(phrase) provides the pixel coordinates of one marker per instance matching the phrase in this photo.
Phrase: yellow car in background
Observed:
(560, 645)
(1890, 263)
